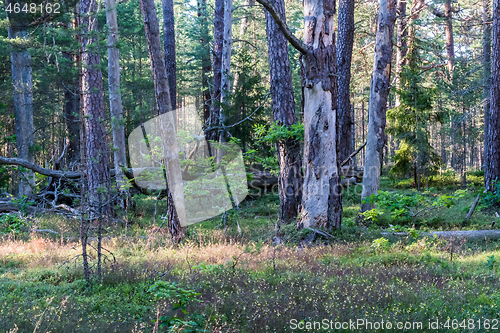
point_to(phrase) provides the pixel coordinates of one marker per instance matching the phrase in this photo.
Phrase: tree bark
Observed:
(486, 75)
(345, 42)
(93, 103)
(213, 120)
(450, 44)
(401, 43)
(169, 46)
(226, 59)
(115, 101)
(379, 91)
(289, 180)
(205, 57)
(22, 81)
(321, 196)
(175, 195)
(493, 169)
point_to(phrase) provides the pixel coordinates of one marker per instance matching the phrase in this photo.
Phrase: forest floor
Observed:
(242, 282)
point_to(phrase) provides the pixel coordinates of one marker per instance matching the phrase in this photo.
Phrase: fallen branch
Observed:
(353, 154)
(322, 233)
(471, 210)
(38, 169)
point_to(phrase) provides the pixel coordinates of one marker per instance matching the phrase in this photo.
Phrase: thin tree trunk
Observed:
(175, 195)
(486, 75)
(379, 91)
(401, 43)
(206, 67)
(226, 59)
(345, 42)
(22, 81)
(72, 112)
(493, 170)
(450, 44)
(289, 182)
(115, 102)
(217, 67)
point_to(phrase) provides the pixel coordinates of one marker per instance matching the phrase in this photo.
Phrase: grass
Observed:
(245, 283)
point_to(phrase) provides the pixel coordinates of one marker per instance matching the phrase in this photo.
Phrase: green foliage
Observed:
(409, 121)
(372, 214)
(491, 263)
(403, 207)
(12, 223)
(490, 199)
(181, 299)
(380, 244)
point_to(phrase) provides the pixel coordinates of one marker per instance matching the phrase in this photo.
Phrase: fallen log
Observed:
(470, 234)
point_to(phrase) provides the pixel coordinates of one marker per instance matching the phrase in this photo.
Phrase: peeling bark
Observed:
(321, 197)
(379, 91)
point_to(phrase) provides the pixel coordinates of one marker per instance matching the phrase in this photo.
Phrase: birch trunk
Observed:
(175, 193)
(289, 181)
(22, 81)
(493, 170)
(377, 107)
(115, 101)
(321, 197)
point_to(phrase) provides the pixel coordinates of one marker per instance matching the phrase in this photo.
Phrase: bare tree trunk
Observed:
(379, 91)
(226, 59)
(93, 103)
(115, 102)
(22, 81)
(345, 42)
(206, 67)
(493, 170)
(169, 46)
(321, 196)
(289, 182)
(175, 195)
(450, 44)
(217, 67)
(401, 38)
(486, 75)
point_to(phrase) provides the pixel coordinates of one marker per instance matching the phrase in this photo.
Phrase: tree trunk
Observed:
(174, 186)
(226, 59)
(493, 170)
(206, 67)
(290, 181)
(23, 98)
(321, 196)
(93, 104)
(450, 44)
(115, 102)
(345, 42)
(217, 67)
(401, 43)
(486, 75)
(169, 46)
(379, 91)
